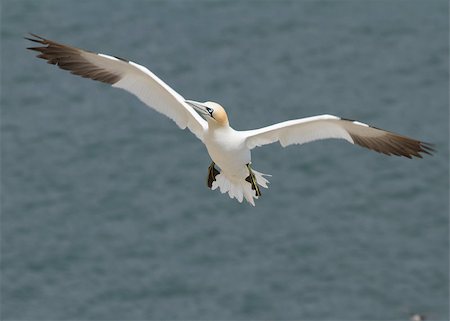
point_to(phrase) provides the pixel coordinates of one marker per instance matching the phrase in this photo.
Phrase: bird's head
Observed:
(211, 111)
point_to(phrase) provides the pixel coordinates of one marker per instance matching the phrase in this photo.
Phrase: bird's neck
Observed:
(214, 125)
(219, 123)
(222, 120)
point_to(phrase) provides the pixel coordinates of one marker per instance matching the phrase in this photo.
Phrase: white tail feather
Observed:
(239, 188)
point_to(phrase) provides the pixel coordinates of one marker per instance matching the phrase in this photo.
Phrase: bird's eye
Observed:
(209, 110)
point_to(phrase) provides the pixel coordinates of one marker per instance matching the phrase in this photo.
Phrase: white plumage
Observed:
(229, 149)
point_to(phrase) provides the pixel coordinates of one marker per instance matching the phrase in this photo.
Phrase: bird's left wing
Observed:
(124, 74)
(300, 131)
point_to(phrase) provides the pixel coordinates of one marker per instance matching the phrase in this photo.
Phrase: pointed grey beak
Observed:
(199, 107)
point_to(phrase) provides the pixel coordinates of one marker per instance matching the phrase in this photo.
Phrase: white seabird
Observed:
(229, 149)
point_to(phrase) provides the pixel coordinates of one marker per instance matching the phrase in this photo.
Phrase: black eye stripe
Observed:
(209, 110)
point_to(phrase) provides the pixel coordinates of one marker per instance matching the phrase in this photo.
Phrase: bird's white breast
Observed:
(227, 149)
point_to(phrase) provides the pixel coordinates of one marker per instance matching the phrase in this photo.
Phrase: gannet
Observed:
(230, 150)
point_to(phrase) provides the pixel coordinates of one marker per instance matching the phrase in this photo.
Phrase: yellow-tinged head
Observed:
(211, 111)
(217, 113)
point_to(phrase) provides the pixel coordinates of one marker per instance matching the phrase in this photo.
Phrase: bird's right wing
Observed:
(124, 74)
(300, 131)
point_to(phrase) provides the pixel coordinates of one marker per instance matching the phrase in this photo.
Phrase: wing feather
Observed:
(310, 129)
(124, 74)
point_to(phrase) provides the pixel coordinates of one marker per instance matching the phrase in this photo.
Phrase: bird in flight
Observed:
(230, 150)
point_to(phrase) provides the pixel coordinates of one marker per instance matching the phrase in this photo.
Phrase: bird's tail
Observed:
(238, 187)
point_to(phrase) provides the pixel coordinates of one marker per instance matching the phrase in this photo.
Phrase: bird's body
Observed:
(228, 148)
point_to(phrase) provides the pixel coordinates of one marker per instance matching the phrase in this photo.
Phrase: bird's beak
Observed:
(199, 107)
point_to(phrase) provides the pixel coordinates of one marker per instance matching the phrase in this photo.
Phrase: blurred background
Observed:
(105, 211)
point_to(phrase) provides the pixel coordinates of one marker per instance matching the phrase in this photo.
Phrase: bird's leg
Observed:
(212, 173)
(252, 180)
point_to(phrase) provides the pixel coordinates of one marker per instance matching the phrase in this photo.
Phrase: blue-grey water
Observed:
(105, 212)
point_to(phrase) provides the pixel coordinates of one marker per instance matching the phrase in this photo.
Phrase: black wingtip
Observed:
(428, 148)
(36, 38)
(34, 48)
(35, 35)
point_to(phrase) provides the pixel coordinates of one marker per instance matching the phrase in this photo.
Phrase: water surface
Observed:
(105, 212)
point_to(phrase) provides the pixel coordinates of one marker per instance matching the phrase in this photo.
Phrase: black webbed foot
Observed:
(212, 173)
(252, 180)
